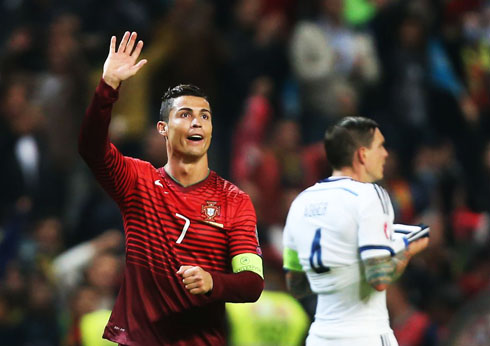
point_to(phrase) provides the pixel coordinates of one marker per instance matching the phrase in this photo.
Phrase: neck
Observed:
(349, 172)
(187, 172)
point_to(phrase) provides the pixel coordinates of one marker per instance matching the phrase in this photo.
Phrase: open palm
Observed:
(121, 63)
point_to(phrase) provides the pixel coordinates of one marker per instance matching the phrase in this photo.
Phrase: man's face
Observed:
(375, 157)
(189, 127)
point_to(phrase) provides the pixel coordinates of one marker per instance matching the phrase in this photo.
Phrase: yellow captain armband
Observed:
(291, 260)
(247, 261)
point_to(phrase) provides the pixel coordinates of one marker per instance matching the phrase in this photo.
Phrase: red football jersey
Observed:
(166, 226)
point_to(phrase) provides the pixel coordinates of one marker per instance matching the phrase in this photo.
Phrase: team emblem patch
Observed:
(210, 211)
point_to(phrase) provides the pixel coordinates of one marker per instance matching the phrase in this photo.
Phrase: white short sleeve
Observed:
(376, 224)
(291, 220)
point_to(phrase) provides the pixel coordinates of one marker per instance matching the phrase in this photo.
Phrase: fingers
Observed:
(418, 245)
(191, 277)
(124, 42)
(195, 285)
(190, 272)
(130, 45)
(182, 269)
(192, 280)
(138, 66)
(112, 46)
(197, 291)
(127, 44)
(137, 50)
(195, 279)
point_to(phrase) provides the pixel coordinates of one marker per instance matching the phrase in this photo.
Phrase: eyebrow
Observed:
(190, 109)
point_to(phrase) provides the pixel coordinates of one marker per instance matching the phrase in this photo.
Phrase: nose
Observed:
(196, 122)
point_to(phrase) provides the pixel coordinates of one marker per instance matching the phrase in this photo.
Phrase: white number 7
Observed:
(184, 230)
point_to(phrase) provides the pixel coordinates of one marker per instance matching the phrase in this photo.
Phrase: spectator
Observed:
(410, 325)
(333, 65)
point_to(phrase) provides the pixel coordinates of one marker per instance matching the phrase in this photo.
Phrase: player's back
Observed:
(323, 228)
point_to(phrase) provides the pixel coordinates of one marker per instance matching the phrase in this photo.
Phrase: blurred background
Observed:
(277, 72)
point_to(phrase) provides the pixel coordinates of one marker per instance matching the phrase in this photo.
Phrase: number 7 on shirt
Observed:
(184, 229)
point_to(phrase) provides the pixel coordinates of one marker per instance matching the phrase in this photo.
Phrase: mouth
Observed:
(195, 138)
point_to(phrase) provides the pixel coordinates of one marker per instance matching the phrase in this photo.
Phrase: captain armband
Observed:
(247, 262)
(291, 260)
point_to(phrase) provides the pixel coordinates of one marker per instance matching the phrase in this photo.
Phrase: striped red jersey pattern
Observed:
(166, 226)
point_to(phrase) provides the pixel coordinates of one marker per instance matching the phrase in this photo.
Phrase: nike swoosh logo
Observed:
(157, 182)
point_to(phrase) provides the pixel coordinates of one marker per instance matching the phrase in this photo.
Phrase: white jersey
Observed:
(332, 226)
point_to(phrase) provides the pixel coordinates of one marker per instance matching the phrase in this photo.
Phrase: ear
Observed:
(162, 128)
(361, 155)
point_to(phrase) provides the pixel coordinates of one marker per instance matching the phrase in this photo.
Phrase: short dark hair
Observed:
(172, 93)
(345, 137)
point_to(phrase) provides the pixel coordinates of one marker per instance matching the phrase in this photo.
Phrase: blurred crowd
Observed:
(277, 73)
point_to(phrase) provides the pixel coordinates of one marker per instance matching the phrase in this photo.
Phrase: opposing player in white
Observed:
(340, 241)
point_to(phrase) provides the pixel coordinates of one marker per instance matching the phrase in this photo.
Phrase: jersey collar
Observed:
(172, 181)
(335, 178)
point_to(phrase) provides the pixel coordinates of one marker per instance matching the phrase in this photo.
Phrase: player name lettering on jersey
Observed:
(316, 209)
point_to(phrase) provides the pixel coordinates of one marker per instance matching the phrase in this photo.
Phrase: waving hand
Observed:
(121, 63)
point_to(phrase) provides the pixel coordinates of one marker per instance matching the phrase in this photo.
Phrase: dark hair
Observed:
(345, 137)
(173, 93)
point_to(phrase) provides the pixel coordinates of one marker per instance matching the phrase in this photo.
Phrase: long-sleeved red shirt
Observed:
(166, 226)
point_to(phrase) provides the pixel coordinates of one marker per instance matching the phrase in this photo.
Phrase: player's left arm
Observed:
(296, 281)
(246, 282)
(382, 271)
(241, 287)
(298, 284)
(384, 256)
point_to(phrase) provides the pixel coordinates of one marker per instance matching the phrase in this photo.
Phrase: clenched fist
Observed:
(196, 279)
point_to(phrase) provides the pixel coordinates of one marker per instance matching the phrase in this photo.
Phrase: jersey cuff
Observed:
(376, 250)
(247, 261)
(291, 260)
(106, 92)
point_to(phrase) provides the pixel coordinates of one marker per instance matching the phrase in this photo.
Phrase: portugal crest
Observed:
(210, 211)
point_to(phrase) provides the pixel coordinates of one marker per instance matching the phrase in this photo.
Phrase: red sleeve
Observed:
(116, 173)
(243, 287)
(243, 231)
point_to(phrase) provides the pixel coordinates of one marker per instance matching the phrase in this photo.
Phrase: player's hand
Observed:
(121, 63)
(418, 245)
(196, 279)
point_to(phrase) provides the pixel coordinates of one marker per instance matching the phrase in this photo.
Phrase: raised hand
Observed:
(121, 64)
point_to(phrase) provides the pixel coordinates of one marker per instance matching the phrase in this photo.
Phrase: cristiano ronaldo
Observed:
(191, 241)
